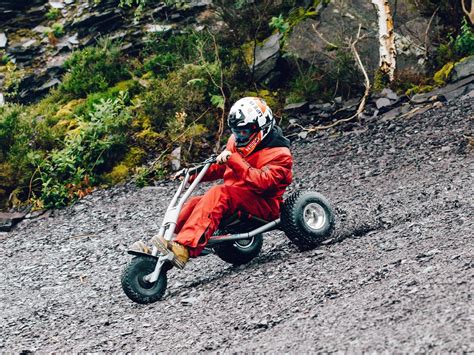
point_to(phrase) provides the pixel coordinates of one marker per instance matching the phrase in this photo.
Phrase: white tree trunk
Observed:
(470, 13)
(388, 53)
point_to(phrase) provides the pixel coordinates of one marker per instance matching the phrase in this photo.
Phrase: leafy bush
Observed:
(187, 89)
(464, 42)
(52, 14)
(93, 69)
(88, 151)
(58, 30)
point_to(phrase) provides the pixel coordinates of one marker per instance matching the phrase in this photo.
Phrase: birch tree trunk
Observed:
(388, 53)
(470, 13)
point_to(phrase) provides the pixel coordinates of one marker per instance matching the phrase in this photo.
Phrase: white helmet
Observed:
(250, 120)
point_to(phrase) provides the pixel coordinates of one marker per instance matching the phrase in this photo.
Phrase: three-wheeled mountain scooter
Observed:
(306, 218)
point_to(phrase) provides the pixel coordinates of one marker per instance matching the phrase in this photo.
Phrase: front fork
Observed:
(162, 259)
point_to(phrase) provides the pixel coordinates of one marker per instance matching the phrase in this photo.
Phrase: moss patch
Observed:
(442, 75)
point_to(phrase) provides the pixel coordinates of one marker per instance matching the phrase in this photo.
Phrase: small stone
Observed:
(29, 43)
(158, 28)
(42, 29)
(189, 301)
(389, 94)
(73, 39)
(3, 40)
(176, 159)
(382, 102)
(427, 269)
(303, 134)
(56, 5)
(296, 107)
(432, 252)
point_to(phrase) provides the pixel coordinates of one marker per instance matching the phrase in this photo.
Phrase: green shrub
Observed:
(89, 150)
(58, 30)
(53, 14)
(187, 89)
(464, 42)
(93, 69)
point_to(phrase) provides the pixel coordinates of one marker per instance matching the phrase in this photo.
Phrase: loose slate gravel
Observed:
(396, 276)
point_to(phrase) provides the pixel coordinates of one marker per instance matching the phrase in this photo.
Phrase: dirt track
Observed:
(397, 277)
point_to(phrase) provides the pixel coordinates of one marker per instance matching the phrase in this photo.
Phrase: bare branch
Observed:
(427, 30)
(362, 101)
(322, 38)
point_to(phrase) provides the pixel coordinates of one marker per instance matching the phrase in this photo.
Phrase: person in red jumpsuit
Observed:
(256, 166)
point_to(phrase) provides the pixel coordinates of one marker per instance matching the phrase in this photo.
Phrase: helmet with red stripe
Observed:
(250, 120)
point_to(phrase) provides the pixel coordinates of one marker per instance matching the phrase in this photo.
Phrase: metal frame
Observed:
(168, 225)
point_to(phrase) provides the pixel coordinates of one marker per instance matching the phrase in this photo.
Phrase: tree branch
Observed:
(362, 101)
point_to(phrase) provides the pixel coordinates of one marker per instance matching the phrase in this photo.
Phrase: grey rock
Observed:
(176, 159)
(266, 56)
(56, 4)
(153, 28)
(73, 39)
(303, 134)
(3, 40)
(42, 29)
(49, 84)
(189, 301)
(29, 43)
(299, 107)
(382, 102)
(2, 99)
(9, 219)
(389, 94)
(462, 70)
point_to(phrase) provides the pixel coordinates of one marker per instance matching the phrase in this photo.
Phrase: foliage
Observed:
(58, 30)
(165, 52)
(69, 173)
(464, 42)
(442, 75)
(53, 14)
(93, 69)
(279, 24)
(12, 78)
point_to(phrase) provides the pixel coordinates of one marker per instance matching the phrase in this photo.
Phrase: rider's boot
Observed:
(141, 247)
(181, 252)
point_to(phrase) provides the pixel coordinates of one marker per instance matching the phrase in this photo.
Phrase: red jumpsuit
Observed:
(255, 184)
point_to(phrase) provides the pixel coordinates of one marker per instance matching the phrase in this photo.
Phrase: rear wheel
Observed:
(136, 287)
(307, 219)
(241, 251)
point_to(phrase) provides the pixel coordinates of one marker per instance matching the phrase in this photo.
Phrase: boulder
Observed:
(266, 57)
(300, 107)
(338, 22)
(461, 70)
(10, 219)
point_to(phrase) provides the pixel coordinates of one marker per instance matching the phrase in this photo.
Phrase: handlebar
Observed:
(197, 168)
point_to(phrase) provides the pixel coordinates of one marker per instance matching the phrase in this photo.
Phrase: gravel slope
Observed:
(397, 275)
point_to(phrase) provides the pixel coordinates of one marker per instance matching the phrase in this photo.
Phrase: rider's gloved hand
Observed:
(223, 157)
(179, 175)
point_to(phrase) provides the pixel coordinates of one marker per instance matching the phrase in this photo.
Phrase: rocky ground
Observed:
(396, 276)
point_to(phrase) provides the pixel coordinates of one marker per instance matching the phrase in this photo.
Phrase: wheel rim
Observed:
(244, 243)
(143, 283)
(314, 216)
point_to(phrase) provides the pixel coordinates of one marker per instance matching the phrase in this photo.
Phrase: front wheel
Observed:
(136, 287)
(241, 251)
(307, 219)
